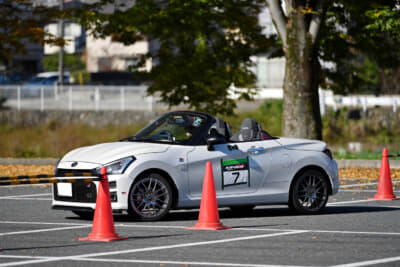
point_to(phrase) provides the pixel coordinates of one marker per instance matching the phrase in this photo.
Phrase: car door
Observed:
(260, 158)
(230, 169)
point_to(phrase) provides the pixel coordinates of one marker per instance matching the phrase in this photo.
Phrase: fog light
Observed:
(113, 196)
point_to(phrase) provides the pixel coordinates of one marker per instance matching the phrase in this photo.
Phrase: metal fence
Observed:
(116, 97)
(75, 97)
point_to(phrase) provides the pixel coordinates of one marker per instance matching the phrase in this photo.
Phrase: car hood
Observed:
(108, 152)
(302, 144)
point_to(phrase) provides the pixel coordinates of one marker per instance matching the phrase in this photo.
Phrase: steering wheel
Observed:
(166, 134)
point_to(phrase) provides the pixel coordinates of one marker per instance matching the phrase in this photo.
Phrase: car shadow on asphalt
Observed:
(258, 212)
(278, 212)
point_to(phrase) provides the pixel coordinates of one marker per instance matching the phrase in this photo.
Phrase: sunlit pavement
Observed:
(352, 231)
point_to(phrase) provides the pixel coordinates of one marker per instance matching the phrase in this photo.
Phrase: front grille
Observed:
(81, 192)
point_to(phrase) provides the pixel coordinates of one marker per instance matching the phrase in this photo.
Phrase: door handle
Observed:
(256, 150)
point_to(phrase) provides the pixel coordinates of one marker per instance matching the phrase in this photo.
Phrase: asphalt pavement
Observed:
(352, 231)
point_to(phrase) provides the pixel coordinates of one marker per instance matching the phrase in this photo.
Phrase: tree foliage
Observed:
(385, 18)
(199, 47)
(344, 45)
(359, 39)
(21, 22)
(71, 63)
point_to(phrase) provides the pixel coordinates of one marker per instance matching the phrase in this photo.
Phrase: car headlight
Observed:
(119, 166)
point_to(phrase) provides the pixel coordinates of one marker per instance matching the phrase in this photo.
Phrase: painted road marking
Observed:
(46, 199)
(28, 185)
(25, 196)
(44, 230)
(371, 262)
(151, 248)
(150, 262)
(366, 184)
(362, 190)
(46, 223)
(357, 185)
(35, 259)
(184, 263)
(85, 257)
(235, 228)
(349, 202)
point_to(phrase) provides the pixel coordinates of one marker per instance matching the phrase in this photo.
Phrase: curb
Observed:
(342, 163)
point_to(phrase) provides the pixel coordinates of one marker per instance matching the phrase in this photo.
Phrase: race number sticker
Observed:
(235, 172)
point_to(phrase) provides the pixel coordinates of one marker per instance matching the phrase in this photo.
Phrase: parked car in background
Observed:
(45, 80)
(13, 78)
(162, 168)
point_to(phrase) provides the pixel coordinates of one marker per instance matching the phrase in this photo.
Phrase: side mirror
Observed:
(214, 140)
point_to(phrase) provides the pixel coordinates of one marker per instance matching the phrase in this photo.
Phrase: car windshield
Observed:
(173, 128)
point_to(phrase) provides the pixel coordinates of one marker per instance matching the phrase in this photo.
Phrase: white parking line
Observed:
(46, 223)
(44, 230)
(371, 262)
(28, 185)
(185, 263)
(192, 244)
(349, 202)
(357, 185)
(46, 199)
(78, 257)
(366, 184)
(322, 231)
(24, 196)
(362, 190)
(234, 229)
(355, 178)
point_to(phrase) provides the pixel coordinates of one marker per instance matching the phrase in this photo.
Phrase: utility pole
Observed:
(61, 52)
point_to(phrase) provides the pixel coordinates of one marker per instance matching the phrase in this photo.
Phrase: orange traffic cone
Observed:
(385, 189)
(103, 221)
(208, 216)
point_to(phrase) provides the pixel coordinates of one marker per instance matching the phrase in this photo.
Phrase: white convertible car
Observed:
(162, 168)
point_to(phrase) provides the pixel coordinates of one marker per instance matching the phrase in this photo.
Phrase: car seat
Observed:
(221, 127)
(250, 130)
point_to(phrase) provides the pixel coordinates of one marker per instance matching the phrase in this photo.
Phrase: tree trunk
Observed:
(301, 101)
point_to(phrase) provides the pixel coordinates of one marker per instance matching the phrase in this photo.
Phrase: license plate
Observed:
(64, 189)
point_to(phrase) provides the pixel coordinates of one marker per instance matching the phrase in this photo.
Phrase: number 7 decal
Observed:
(235, 172)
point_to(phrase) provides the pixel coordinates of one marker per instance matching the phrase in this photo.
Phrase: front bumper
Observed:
(334, 176)
(81, 196)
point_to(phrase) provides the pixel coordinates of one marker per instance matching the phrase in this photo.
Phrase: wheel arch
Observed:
(169, 179)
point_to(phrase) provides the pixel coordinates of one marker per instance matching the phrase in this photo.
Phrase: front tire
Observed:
(309, 193)
(150, 197)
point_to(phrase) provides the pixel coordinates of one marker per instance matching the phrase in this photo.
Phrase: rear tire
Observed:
(150, 197)
(309, 193)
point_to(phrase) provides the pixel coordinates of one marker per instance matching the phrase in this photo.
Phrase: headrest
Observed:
(249, 130)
